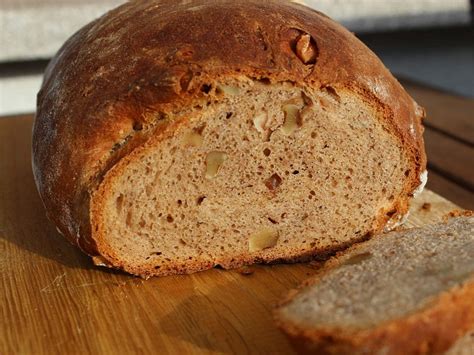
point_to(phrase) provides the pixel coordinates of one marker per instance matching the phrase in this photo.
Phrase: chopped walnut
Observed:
(214, 160)
(273, 182)
(292, 119)
(226, 89)
(193, 139)
(306, 49)
(263, 239)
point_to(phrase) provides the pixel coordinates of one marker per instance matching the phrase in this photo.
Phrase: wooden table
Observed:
(52, 300)
(449, 139)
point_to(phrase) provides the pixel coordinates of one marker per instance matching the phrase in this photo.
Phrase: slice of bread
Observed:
(406, 292)
(464, 346)
(174, 136)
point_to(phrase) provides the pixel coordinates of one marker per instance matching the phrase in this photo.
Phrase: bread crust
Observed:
(113, 85)
(432, 330)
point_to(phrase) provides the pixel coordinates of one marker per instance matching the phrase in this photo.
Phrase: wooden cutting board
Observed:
(52, 300)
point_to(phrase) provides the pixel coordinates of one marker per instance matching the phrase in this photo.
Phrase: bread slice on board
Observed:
(405, 292)
(174, 136)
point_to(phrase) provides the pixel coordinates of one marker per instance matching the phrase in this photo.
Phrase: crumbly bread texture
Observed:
(174, 136)
(464, 346)
(406, 292)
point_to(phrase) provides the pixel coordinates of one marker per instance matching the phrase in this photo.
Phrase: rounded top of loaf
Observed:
(118, 76)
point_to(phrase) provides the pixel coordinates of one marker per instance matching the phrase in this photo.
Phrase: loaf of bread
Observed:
(174, 136)
(406, 292)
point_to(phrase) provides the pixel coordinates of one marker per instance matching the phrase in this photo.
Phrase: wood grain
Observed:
(451, 158)
(457, 194)
(52, 300)
(450, 114)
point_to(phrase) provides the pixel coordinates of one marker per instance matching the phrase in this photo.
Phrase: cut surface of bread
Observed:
(174, 136)
(409, 291)
(266, 172)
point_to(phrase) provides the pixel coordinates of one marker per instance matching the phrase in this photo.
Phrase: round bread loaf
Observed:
(174, 136)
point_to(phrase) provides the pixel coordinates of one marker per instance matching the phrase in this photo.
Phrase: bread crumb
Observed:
(426, 207)
(246, 270)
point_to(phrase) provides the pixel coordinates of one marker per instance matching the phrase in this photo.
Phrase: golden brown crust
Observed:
(113, 82)
(432, 330)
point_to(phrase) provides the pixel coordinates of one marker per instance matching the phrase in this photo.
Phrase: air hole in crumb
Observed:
(314, 135)
(137, 126)
(128, 220)
(312, 193)
(199, 129)
(200, 200)
(296, 172)
(267, 152)
(157, 267)
(119, 203)
(272, 220)
(206, 88)
(229, 114)
(407, 172)
(179, 202)
(332, 92)
(169, 218)
(391, 213)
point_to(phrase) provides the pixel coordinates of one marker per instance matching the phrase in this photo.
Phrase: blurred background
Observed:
(427, 44)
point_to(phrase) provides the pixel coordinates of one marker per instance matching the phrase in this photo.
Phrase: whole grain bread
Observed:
(406, 292)
(174, 136)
